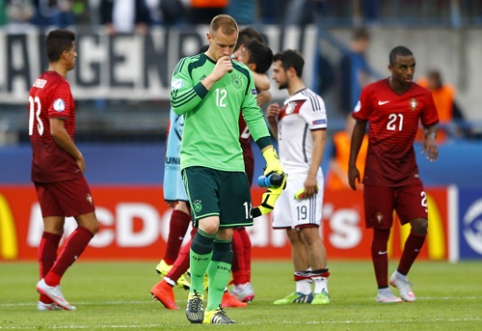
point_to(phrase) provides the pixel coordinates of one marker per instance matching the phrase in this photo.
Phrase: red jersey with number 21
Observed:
(50, 97)
(393, 122)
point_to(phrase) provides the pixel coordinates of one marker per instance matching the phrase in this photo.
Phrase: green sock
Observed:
(219, 271)
(199, 258)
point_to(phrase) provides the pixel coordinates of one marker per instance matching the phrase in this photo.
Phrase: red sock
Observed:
(177, 230)
(73, 248)
(181, 264)
(413, 245)
(380, 256)
(238, 267)
(247, 251)
(47, 254)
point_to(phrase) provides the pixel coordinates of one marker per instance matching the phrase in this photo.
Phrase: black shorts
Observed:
(219, 193)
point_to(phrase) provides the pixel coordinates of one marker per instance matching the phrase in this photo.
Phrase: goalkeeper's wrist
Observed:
(264, 210)
(270, 154)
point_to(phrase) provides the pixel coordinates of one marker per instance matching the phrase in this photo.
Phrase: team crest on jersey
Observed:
(177, 83)
(237, 81)
(290, 108)
(89, 198)
(413, 104)
(59, 105)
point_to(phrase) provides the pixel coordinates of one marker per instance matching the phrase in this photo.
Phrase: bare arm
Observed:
(62, 138)
(356, 141)
(272, 115)
(261, 81)
(429, 144)
(263, 97)
(319, 142)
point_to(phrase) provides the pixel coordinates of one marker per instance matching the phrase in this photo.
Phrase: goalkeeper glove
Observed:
(269, 199)
(272, 162)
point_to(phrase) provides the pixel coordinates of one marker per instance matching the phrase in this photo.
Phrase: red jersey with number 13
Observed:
(50, 97)
(393, 122)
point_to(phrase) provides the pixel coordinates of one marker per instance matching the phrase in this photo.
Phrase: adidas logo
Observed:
(302, 299)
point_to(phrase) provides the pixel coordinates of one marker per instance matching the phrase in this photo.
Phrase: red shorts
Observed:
(410, 202)
(66, 198)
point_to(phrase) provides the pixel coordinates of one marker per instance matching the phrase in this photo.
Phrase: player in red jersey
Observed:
(393, 106)
(57, 170)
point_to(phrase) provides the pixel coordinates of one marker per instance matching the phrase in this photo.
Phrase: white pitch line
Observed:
(136, 326)
(142, 302)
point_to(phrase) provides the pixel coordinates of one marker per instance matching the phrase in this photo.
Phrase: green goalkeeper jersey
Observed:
(211, 131)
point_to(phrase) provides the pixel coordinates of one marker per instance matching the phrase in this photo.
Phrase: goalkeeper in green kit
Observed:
(210, 89)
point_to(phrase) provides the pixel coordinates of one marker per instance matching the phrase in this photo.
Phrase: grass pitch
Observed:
(115, 296)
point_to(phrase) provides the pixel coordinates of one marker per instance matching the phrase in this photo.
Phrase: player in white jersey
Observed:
(300, 126)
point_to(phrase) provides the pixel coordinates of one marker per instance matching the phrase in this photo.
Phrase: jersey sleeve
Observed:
(185, 95)
(429, 115)
(364, 106)
(313, 112)
(252, 113)
(61, 102)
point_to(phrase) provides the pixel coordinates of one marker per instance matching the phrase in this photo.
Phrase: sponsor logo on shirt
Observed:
(318, 122)
(177, 83)
(59, 105)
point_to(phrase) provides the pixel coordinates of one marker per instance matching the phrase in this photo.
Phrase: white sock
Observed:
(303, 286)
(169, 281)
(321, 283)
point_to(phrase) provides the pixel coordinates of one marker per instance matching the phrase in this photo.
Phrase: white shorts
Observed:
(173, 184)
(290, 213)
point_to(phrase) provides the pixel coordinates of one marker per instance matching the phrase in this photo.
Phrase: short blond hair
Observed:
(226, 23)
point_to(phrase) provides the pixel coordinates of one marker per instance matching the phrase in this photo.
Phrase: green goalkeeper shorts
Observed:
(219, 193)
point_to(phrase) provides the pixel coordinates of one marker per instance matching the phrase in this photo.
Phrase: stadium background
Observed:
(121, 85)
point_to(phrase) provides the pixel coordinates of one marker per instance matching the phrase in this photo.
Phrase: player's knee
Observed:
(89, 221)
(209, 227)
(419, 226)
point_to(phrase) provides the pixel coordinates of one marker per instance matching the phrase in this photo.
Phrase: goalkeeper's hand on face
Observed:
(269, 198)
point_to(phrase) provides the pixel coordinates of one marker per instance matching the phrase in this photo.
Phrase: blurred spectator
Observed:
(444, 97)
(272, 11)
(354, 72)
(173, 12)
(325, 74)
(203, 11)
(337, 178)
(124, 16)
(19, 15)
(243, 11)
(53, 13)
(365, 11)
(300, 12)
